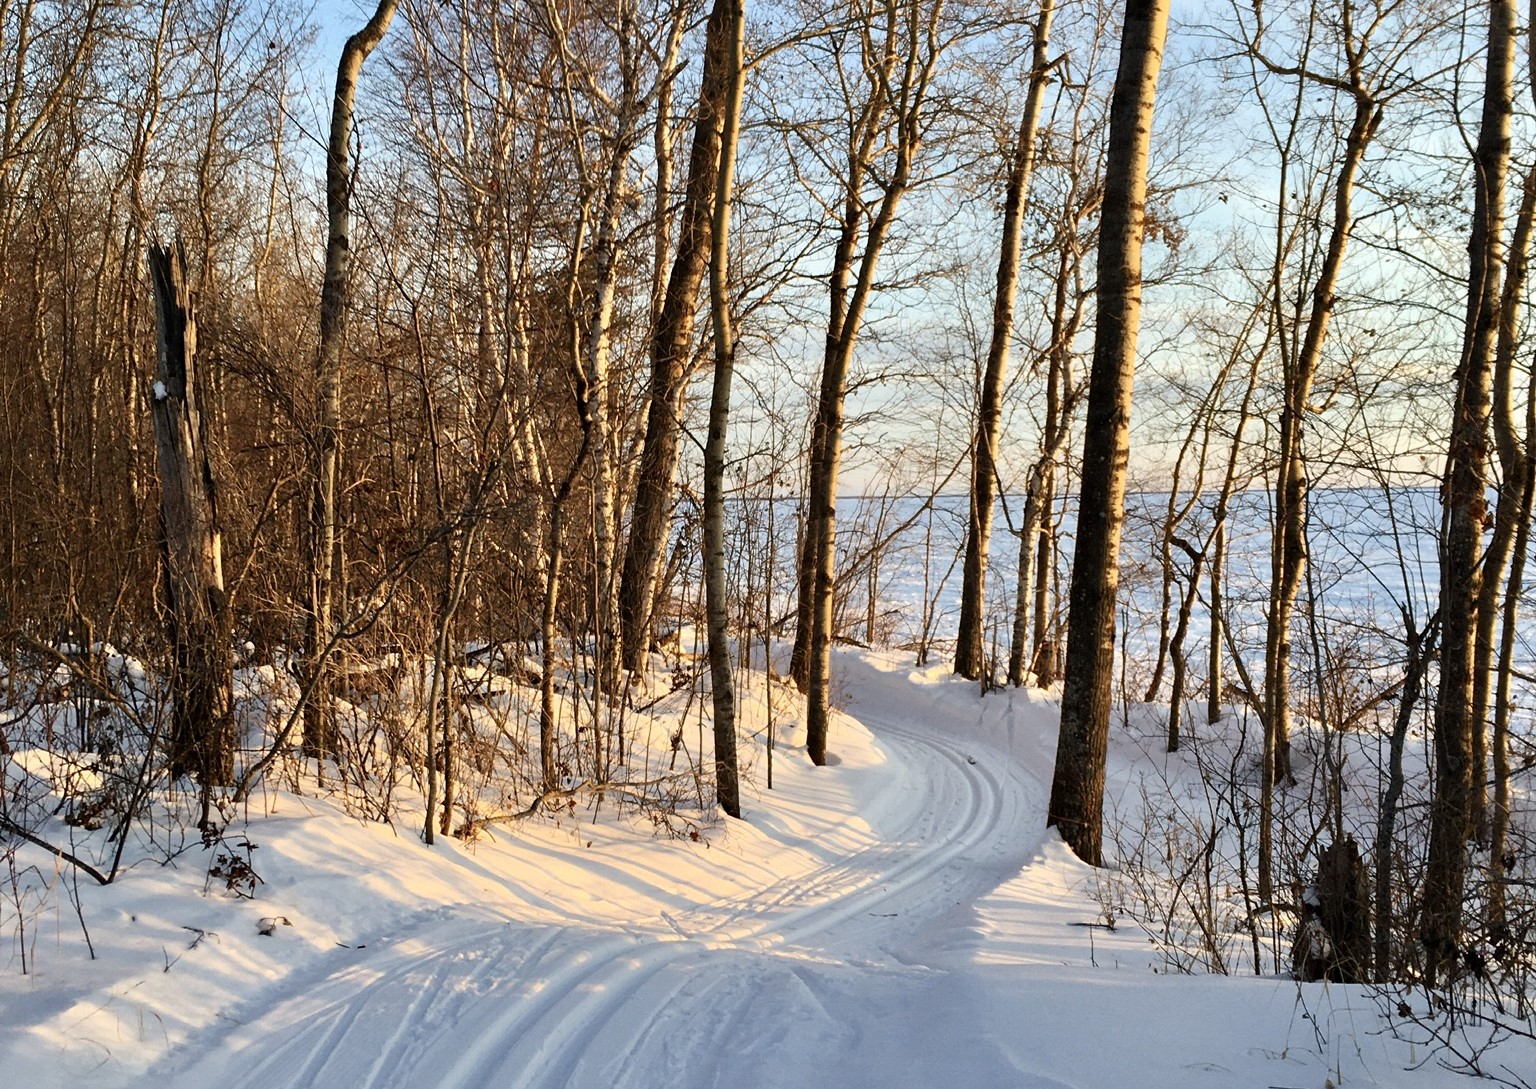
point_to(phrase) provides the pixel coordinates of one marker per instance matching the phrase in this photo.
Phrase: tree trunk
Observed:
(1508, 519)
(899, 75)
(1216, 546)
(1465, 511)
(1174, 625)
(1420, 647)
(1077, 787)
(321, 539)
(1029, 529)
(607, 253)
(1290, 552)
(1289, 555)
(671, 350)
(1517, 490)
(1044, 649)
(1498, 837)
(1176, 643)
(202, 725)
(1037, 543)
(1216, 601)
(969, 652)
(722, 684)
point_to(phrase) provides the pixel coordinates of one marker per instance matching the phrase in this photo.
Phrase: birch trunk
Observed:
(321, 539)
(722, 683)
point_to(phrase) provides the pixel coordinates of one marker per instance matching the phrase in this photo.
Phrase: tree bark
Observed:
(202, 737)
(969, 651)
(671, 351)
(722, 683)
(1464, 515)
(321, 540)
(1077, 788)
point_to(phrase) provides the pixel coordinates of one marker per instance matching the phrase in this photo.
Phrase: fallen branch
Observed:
(8, 825)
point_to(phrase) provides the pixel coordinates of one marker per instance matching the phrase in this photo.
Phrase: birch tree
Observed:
(722, 684)
(322, 540)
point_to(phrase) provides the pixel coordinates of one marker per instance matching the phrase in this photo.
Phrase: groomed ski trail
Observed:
(808, 981)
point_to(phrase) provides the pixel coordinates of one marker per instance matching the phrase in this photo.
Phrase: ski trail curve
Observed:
(463, 1004)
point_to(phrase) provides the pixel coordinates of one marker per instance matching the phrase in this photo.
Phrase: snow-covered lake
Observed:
(1373, 556)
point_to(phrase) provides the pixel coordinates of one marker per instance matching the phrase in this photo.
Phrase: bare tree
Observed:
(1299, 364)
(722, 685)
(1465, 511)
(897, 56)
(969, 653)
(1369, 71)
(322, 540)
(1077, 788)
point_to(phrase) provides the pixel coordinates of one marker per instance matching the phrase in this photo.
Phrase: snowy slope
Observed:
(898, 918)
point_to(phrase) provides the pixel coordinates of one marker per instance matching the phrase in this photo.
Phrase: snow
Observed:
(897, 918)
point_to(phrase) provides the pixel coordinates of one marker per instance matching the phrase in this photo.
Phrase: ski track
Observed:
(462, 1004)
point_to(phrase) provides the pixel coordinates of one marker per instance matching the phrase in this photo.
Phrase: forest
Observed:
(497, 419)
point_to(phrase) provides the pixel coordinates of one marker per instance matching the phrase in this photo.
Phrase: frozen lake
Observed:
(1373, 558)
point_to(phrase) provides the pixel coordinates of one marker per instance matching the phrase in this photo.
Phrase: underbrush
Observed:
(88, 792)
(1185, 847)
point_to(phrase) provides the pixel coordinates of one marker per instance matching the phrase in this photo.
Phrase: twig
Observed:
(8, 825)
(630, 790)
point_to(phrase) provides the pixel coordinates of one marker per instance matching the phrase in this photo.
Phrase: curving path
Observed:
(854, 973)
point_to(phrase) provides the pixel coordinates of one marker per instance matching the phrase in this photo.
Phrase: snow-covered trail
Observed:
(896, 920)
(852, 972)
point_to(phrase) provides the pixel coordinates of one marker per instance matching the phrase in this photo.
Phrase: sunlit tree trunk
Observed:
(969, 650)
(321, 539)
(722, 684)
(671, 351)
(1077, 788)
(1465, 512)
